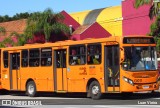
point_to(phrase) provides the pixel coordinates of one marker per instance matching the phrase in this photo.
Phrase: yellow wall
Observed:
(80, 16)
(110, 18)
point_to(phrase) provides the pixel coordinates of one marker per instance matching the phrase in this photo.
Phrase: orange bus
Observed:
(93, 66)
(0, 73)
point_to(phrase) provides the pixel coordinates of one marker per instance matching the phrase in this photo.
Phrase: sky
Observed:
(11, 7)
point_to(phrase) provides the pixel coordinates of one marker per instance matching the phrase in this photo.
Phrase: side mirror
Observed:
(121, 55)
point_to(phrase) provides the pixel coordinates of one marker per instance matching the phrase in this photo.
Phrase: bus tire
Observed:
(31, 89)
(126, 95)
(4, 92)
(95, 90)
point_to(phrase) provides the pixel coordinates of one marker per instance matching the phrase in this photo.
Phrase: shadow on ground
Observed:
(113, 96)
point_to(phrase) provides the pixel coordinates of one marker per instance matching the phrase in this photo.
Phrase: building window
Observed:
(77, 55)
(5, 59)
(34, 55)
(46, 57)
(24, 62)
(94, 54)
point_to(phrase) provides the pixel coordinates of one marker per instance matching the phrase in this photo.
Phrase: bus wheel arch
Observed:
(31, 88)
(93, 84)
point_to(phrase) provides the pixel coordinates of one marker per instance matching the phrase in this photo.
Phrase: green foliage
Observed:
(155, 27)
(154, 9)
(2, 30)
(7, 18)
(45, 23)
(21, 40)
(155, 31)
(14, 33)
(30, 30)
(2, 45)
(47, 31)
(8, 40)
(139, 3)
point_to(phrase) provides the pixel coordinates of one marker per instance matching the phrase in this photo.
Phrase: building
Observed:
(109, 21)
(135, 21)
(118, 20)
(110, 18)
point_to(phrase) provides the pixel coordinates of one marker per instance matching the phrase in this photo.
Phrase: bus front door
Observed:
(60, 70)
(112, 68)
(14, 71)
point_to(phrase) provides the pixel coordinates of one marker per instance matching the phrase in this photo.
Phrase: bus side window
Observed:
(24, 62)
(77, 55)
(94, 54)
(5, 59)
(46, 57)
(34, 56)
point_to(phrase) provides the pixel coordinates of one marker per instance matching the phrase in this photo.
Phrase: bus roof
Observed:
(72, 42)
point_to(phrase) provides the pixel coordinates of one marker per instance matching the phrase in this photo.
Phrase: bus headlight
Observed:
(128, 80)
(125, 79)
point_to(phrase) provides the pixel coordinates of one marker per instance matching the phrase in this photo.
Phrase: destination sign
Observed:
(137, 40)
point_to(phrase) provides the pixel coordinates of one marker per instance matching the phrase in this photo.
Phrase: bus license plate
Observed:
(145, 87)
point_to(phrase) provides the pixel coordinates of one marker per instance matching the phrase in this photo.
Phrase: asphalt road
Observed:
(76, 100)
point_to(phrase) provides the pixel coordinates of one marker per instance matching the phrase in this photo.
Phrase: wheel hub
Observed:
(31, 89)
(95, 90)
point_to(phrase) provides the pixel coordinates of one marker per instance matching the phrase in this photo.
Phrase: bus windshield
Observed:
(140, 58)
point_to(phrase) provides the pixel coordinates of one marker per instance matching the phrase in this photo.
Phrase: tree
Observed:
(155, 5)
(45, 23)
(18, 16)
(139, 3)
(155, 31)
(21, 40)
(8, 41)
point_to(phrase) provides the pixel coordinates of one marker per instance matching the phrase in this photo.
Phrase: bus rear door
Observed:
(112, 68)
(60, 70)
(14, 70)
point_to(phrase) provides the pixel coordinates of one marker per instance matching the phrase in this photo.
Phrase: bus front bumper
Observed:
(140, 87)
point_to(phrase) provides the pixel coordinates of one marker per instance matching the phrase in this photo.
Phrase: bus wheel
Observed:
(31, 89)
(95, 90)
(126, 95)
(4, 92)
